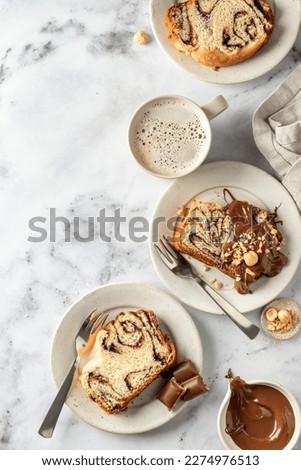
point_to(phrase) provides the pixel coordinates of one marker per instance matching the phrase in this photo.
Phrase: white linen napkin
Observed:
(277, 132)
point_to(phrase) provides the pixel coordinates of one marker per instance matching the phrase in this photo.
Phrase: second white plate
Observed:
(145, 412)
(245, 182)
(287, 23)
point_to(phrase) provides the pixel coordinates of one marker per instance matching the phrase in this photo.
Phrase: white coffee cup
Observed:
(170, 136)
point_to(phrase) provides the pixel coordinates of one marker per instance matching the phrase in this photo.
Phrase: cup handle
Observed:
(215, 107)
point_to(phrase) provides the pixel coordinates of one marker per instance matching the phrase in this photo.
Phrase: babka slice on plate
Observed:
(128, 354)
(241, 240)
(219, 33)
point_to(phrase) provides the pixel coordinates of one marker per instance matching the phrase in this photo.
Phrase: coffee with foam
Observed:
(169, 135)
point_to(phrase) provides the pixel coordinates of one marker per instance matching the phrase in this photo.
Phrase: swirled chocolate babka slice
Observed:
(219, 33)
(241, 240)
(128, 354)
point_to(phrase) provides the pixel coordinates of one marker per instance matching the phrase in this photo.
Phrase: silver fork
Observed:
(176, 262)
(90, 325)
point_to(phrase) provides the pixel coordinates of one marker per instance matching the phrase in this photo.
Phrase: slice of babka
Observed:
(219, 33)
(128, 354)
(241, 240)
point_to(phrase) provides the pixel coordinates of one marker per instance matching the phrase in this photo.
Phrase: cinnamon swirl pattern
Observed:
(219, 33)
(241, 240)
(128, 354)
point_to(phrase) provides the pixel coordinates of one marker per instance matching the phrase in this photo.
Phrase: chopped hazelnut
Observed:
(251, 273)
(206, 268)
(212, 280)
(236, 262)
(271, 327)
(262, 215)
(218, 285)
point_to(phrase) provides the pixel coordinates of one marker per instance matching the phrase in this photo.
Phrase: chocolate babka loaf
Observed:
(241, 240)
(219, 33)
(128, 354)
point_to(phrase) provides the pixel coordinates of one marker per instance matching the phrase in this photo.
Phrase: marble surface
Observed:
(70, 79)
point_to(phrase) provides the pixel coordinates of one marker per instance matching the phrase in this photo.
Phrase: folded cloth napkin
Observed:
(277, 132)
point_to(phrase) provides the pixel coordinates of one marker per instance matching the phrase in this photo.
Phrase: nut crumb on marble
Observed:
(141, 38)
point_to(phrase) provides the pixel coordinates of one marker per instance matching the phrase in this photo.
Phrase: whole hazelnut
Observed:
(285, 316)
(250, 258)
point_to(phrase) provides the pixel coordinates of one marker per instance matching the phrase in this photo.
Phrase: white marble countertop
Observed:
(70, 78)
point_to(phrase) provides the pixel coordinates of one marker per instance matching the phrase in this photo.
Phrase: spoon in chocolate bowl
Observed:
(176, 262)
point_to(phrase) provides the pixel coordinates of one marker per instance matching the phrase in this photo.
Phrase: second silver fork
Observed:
(91, 324)
(176, 262)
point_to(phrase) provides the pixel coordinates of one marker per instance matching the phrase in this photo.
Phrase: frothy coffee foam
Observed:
(169, 137)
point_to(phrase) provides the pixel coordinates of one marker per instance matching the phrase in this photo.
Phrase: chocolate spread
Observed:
(254, 230)
(259, 417)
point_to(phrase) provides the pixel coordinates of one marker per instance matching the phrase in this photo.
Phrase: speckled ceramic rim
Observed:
(221, 417)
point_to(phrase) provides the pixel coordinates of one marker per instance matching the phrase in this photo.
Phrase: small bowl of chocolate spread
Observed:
(258, 415)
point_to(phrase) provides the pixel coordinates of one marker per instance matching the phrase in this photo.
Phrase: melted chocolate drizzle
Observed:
(253, 230)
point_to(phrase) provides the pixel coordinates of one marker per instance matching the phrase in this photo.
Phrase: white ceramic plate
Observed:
(287, 22)
(145, 412)
(245, 182)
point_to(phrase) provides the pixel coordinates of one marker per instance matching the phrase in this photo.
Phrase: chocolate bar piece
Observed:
(194, 387)
(184, 371)
(186, 383)
(171, 393)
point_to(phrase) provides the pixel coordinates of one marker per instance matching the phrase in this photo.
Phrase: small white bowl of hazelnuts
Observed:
(281, 319)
